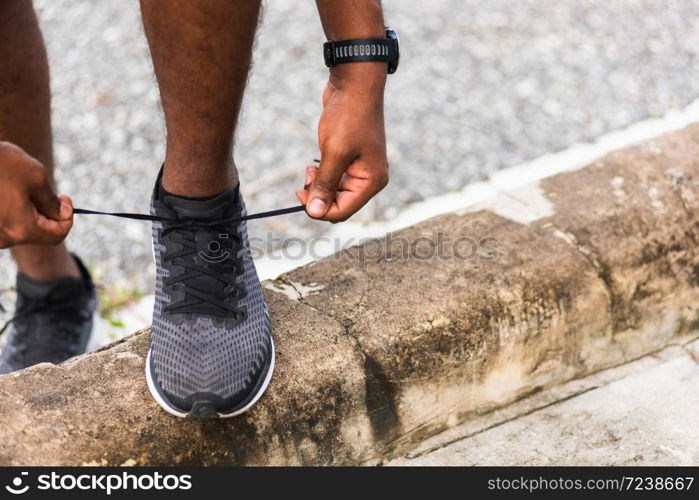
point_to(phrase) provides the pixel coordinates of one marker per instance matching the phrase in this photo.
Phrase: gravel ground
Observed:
(482, 86)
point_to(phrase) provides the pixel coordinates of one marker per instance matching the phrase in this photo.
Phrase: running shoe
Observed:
(52, 322)
(211, 351)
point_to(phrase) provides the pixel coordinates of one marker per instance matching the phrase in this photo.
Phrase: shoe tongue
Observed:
(215, 246)
(218, 207)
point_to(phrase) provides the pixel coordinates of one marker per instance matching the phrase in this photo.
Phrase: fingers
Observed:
(324, 184)
(356, 187)
(353, 195)
(35, 228)
(302, 194)
(47, 222)
(45, 200)
(37, 231)
(66, 212)
(51, 232)
(30, 211)
(54, 217)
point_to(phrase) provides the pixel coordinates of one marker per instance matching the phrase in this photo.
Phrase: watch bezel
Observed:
(392, 35)
(329, 49)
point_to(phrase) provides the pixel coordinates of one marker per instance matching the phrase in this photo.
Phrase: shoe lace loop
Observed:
(184, 233)
(188, 248)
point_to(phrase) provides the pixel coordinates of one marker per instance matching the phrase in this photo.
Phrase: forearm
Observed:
(24, 82)
(351, 136)
(346, 19)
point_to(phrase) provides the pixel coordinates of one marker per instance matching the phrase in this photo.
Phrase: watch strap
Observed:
(360, 50)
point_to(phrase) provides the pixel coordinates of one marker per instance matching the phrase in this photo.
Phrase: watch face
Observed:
(392, 35)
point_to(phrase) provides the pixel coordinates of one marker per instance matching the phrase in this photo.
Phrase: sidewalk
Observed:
(640, 413)
(482, 86)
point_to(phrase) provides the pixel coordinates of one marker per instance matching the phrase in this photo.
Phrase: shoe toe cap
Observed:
(208, 403)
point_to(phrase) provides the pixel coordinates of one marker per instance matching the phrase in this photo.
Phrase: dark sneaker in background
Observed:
(52, 321)
(211, 353)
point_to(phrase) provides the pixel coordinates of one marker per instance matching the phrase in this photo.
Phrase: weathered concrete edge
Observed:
(551, 397)
(373, 360)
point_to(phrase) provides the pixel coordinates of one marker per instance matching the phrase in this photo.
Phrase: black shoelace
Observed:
(186, 238)
(189, 246)
(186, 223)
(155, 218)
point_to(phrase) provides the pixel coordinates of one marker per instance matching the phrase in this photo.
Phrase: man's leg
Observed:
(211, 351)
(25, 119)
(201, 55)
(56, 298)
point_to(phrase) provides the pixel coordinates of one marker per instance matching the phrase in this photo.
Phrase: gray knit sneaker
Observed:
(52, 321)
(211, 353)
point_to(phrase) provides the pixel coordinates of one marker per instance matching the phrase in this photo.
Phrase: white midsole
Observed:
(165, 406)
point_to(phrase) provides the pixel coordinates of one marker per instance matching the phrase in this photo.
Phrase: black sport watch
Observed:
(364, 49)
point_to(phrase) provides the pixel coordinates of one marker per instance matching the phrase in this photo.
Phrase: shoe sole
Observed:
(179, 413)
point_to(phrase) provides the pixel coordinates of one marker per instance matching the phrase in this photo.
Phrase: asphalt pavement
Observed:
(482, 86)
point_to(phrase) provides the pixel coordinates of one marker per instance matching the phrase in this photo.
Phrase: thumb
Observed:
(323, 188)
(66, 212)
(53, 231)
(47, 203)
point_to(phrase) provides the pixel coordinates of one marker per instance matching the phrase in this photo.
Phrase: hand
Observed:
(353, 165)
(30, 212)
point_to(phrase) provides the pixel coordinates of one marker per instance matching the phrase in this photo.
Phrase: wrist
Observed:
(366, 77)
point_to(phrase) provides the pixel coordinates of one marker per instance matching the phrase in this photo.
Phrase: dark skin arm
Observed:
(30, 212)
(351, 136)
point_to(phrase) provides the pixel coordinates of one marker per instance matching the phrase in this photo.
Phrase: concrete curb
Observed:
(600, 267)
